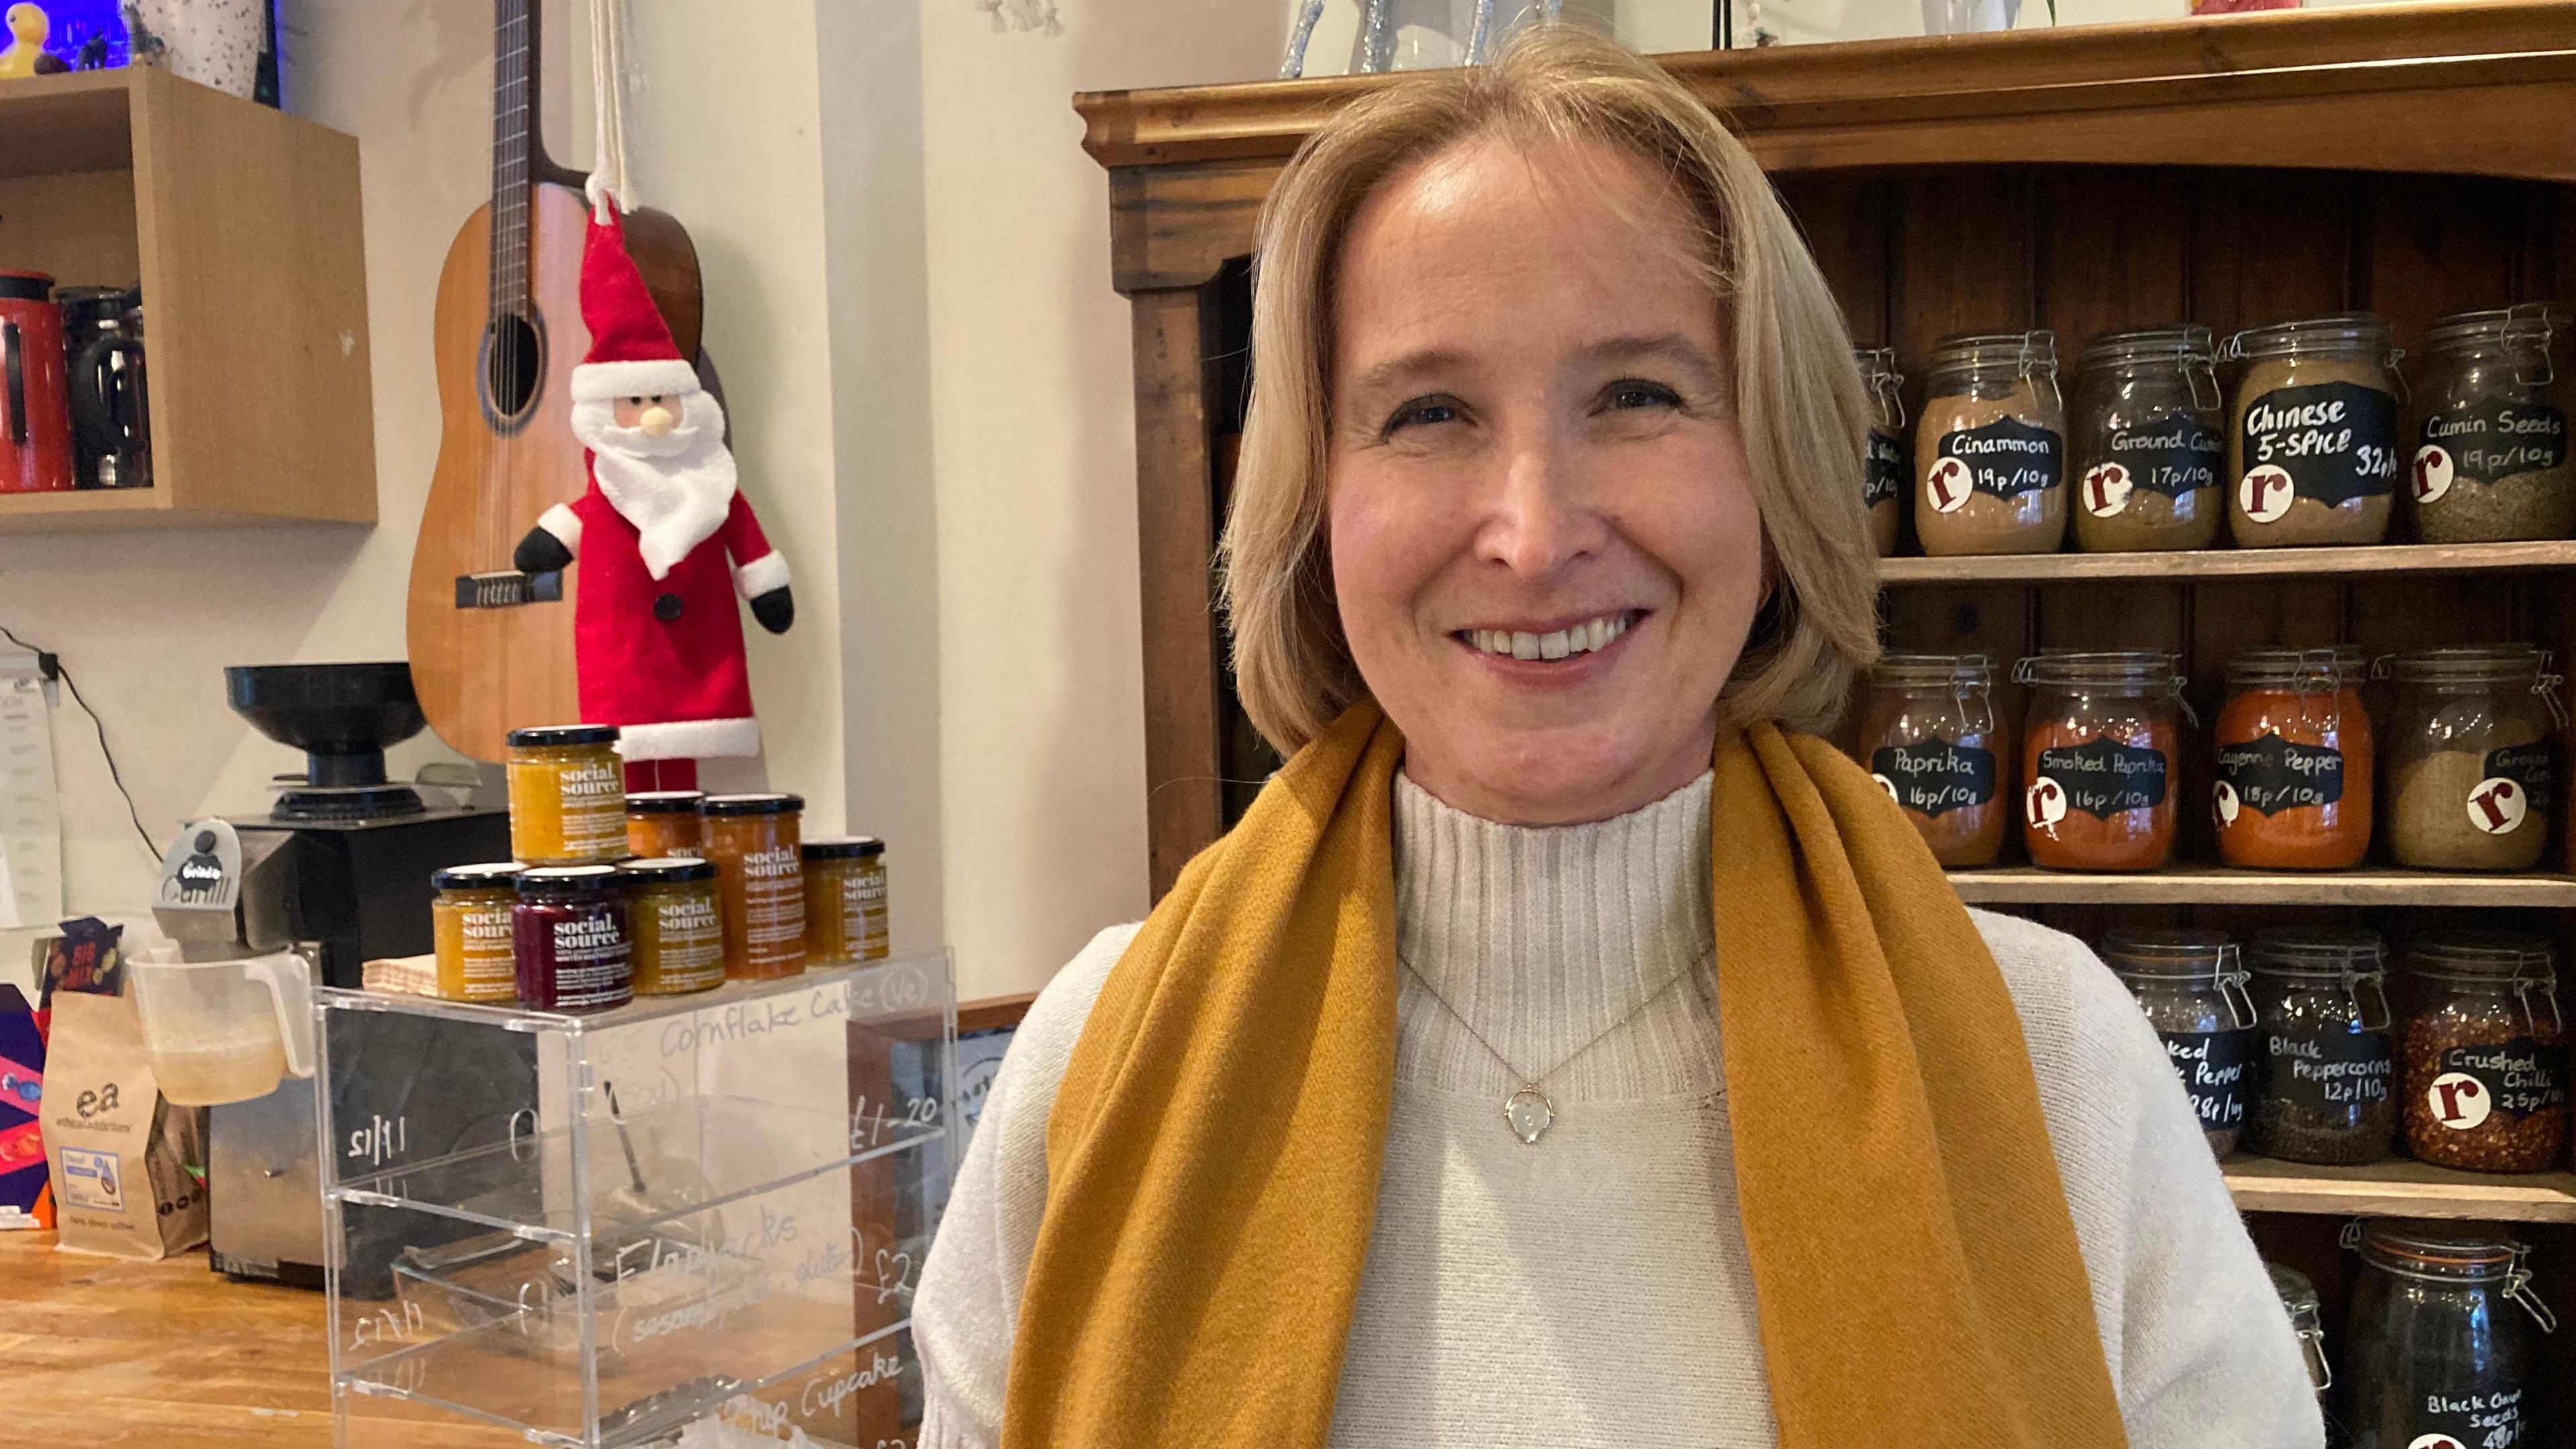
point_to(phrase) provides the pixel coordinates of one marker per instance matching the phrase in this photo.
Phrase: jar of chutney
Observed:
(663, 823)
(567, 795)
(760, 875)
(471, 932)
(845, 900)
(570, 927)
(672, 912)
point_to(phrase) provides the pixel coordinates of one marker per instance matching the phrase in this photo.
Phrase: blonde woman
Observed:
(1564, 1050)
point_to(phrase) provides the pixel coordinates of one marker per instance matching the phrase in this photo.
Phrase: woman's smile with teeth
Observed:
(1581, 638)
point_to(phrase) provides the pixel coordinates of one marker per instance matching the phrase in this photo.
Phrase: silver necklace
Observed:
(1527, 1111)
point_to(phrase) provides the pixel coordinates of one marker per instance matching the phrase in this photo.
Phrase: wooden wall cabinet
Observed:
(243, 225)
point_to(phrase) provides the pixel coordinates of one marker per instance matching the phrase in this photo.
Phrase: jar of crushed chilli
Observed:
(1931, 738)
(678, 930)
(2145, 428)
(2312, 449)
(2099, 750)
(845, 900)
(2294, 760)
(1990, 451)
(2491, 456)
(2191, 985)
(2436, 1352)
(662, 823)
(760, 875)
(2485, 1070)
(570, 927)
(2470, 757)
(2328, 1063)
(1883, 470)
(471, 934)
(567, 795)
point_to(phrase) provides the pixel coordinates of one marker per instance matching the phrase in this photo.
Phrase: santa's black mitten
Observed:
(540, 553)
(775, 610)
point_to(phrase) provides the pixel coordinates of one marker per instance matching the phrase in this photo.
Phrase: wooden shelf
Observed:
(2232, 563)
(2216, 885)
(2400, 1187)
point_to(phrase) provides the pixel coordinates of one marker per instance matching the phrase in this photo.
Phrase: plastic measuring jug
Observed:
(225, 1031)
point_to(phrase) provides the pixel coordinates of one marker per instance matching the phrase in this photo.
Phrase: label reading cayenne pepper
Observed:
(2271, 774)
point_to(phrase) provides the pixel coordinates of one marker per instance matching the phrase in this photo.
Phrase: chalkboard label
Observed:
(2172, 456)
(1883, 476)
(2516, 1077)
(2469, 1409)
(2516, 788)
(2328, 1073)
(2330, 441)
(2006, 458)
(2271, 774)
(1936, 776)
(2104, 778)
(2484, 441)
(2217, 1068)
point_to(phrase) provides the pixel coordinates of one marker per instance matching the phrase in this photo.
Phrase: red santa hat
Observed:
(631, 352)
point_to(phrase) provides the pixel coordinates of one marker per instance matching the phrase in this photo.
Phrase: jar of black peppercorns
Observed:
(2320, 998)
(2485, 1074)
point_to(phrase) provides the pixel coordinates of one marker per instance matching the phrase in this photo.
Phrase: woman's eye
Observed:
(1426, 410)
(1631, 394)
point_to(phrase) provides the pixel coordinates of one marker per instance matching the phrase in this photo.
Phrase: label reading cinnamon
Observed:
(1883, 470)
(2330, 441)
(2103, 778)
(2005, 459)
(2485, 441)
(1935, 777)
(2271, 774)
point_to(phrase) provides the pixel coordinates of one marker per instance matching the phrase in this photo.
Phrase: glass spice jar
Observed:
(569, 924)
(2321, 1004)
(760, 872)
(2308, 1320)
(2145, 426)
(845, 900)
(2470, 760)
(2312, 443)
(567, 795)
(662, 823)
(2099, 750)
(2491, 460)
(677, 927)
(1883, 461)
(471, 935)
(1990, 452)
(2436, 1351)
(2191, 985)
(1933, 741)
(2295, 760)
(2485, 1072)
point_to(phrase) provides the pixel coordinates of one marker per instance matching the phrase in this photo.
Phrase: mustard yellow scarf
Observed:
(1213, 1152)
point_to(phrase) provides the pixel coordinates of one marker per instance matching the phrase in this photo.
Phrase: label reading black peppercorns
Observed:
(2328, 1073)
(2516, 788)
(2005, 458)
(2330, 441)
(2487, 440)
(1883, 473)
(2171, 456)
(2515, 1078)
(2104, 778)
(1935, 777)
(2215, 1067)
(2271, 774)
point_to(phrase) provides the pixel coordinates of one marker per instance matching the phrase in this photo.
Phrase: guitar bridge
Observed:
(508, 589)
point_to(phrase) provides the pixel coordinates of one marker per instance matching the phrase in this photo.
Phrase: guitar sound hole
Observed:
(513, 365)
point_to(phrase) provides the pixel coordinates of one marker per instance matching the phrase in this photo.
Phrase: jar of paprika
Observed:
(2099, 751)
(2294, 760)
(1933, 741)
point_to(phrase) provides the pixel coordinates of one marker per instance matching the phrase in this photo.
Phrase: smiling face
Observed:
(1545, 548)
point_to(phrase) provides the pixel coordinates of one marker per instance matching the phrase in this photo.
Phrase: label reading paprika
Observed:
(2006, 458)
(2516, 1077)
(2103, 778)
(2216, 1067)
(1935, 777)
(2271, 774)
(2329, 441)
(2487, 440)
(2329, 1073)
(1883, 473)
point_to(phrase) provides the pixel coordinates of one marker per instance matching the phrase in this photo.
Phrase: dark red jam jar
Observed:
(569, 925)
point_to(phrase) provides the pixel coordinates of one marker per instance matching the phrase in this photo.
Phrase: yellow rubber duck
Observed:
(28, 28)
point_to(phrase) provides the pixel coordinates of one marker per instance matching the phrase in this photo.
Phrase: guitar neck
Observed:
(519, 158)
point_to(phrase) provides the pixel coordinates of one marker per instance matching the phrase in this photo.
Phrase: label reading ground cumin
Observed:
(1883, 474)
(2329, 441)
(2271, 774)
(2004, 458)
(1936, 776)
(2516, 787)
(2172, 456)
(2100, 778)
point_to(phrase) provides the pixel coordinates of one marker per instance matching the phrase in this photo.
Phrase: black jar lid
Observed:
(490, 875)
(664, 802)
(26, 286)
(752, 804)
(560, 882)
(2501, 957)
(541, 736)
(843, 847)
(2319, 951)
(2175, 955)
(668, 870)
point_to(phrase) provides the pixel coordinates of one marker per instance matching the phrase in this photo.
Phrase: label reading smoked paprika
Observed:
(2100, 778)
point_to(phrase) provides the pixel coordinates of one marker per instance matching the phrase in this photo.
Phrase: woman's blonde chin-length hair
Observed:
(1797, 394)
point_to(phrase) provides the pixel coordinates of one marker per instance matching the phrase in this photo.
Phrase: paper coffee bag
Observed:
(128, 1168)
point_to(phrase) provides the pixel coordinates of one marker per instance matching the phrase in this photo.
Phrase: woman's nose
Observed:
(1542, 519)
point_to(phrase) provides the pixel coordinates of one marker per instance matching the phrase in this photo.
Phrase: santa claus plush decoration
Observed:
(662, 536)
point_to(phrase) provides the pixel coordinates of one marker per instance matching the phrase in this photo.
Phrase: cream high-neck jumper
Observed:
(1593, 1289)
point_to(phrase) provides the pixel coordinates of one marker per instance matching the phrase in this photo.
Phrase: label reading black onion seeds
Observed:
(2485, 441)
(1936, 776)
(2216, 1068)
(2331, 441)
(2006, 458)
(2272, 774)
(2171, 456)
(2518, 1077)
(1883, 471)
(2480, 1413)
(2104, 778)
(2329, 1073)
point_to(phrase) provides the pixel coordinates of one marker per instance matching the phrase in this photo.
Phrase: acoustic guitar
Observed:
(491, 648)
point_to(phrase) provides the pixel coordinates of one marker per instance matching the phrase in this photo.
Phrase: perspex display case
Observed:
(693, 1208)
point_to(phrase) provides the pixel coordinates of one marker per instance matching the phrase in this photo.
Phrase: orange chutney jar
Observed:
(663, 823)
(2295, 761)
(760, 876)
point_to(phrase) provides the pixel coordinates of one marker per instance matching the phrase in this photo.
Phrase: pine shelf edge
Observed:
(2231, 563)
(2211, 885)
(2399, 1188)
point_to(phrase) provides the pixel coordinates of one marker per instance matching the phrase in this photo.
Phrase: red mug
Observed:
(35, 402)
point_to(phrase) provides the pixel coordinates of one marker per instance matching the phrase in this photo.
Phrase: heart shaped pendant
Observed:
(1529, 1114)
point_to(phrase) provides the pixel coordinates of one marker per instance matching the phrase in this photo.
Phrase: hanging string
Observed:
(608, 176)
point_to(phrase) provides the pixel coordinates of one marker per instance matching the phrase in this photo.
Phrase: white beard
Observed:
(675, 489)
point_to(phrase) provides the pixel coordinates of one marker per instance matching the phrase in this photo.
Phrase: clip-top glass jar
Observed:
(471, 935)
(2312, 445)
(760, 869)
(2485, 1074)
(2295, 760)
(845, 900)
(2145, 425)
(1931, 737)
(2308, 1320)
(663, 823)
(2100, 752)
(2491, 458)
(1990, 452)
(2328, 1065)
(1883, 470)
(2436, 1347)
(2191, 985)
(2470, 759)
(567, 795)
